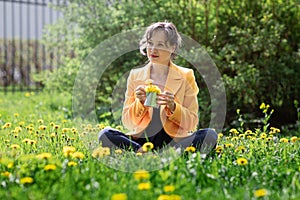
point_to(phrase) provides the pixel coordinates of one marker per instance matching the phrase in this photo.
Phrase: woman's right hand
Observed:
(140, 93)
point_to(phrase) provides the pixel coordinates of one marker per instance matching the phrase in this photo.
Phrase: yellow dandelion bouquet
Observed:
(151, 93)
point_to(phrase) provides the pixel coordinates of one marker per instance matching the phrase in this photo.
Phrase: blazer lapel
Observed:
(174, 80)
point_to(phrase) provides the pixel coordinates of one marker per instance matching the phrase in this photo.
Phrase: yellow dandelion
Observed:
(72, 163)
(260, 193)
(119, 196)
(240, 148)
(26, 180)
(263, 135)
(242, 136)
(163, 197)
(16, 114)
(220, 135)
(7, 125)
(169, 188)
(269, 139)
(144, 186)
(234, 139)
(56, 126)
(40, 121)
(50, 167)
(18, 129)
(151, 88)
(275, 130)
(248, 132)
(27, 94)
(118, 151)
(26, 140)
(175, 197)
(44, 156)
(148, 146)
(190, 149)
(6, 174)
(138, 154)
(68, 150)
(10, 165)
(242, 161)
(15, 146)
(78, 155)
(101, 152)
(219, 149)
(234, 131)
(141, 175)
(64, 130)
(42, 127)
(284, 140)
(21, 124)
(53, 135)
(229, 145)
(294, 139)
(262, 106)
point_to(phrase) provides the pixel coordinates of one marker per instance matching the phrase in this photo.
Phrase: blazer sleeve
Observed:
(185, 115)
(134, 112)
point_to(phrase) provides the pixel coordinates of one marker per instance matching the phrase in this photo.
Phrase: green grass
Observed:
(33, 124)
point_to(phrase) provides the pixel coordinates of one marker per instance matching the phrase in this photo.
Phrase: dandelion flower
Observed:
(40, 121)
(242, 161)
(275, 130)
(260, 193)
(118, 151)
(6, 174)
(7, 125)
(72, 163)
(119, 196)
(234, 131)
(147, 146)
(15, 146)
(50, 167)
(163, 197)
(169, 188)
(26, 180)
(229, 145)
(56, 126)
(68, 150)
(141, 175)
(262, 106)
(144, 186)
(44, 156)
(284, 140)
(220, 135)
(190, 149)
(294, 139)
(240, 148)
(78, 155)
(219, 149)
(101, 152)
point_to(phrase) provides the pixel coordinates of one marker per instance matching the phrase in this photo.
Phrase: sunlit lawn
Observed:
(44, 154)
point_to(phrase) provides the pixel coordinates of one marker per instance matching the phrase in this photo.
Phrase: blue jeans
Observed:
(203, 140)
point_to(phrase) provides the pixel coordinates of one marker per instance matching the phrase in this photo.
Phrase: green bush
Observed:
(255, 45)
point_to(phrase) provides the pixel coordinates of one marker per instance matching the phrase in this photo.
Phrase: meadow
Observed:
(45, 154)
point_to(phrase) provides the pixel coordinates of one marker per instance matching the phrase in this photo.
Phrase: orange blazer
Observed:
(178, 124)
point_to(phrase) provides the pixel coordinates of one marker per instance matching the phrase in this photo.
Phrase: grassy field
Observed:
(46, 155)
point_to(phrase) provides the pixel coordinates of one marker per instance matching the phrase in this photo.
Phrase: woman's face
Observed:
(158, 50)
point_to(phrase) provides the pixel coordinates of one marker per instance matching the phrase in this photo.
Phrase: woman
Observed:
(175, 120)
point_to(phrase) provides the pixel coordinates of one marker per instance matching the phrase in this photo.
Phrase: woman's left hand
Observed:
(166, 98)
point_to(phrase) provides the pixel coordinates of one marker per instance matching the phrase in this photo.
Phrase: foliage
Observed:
(255, 45)
(45, 155)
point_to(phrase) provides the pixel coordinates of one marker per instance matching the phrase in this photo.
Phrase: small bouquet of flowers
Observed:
(151, 93)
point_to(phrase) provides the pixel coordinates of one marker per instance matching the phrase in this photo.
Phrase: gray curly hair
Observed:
(170, 30)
